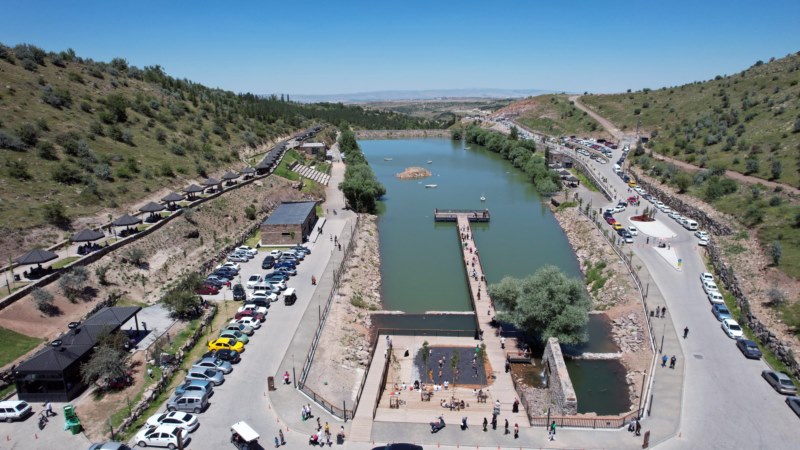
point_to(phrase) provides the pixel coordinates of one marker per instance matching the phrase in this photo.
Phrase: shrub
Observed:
(30, 52)
(103, 172)
(46, 150)
(5, 54)
(166, 171)
(102, 272)
(751, 166)
(776, 169)
(776, 296)
(18, 169)
(250, 212)
(54, 214)
(11, 142)
(117, 105)
(127, 137)
(76, 77)
(56, 97)
(65, 174)
(44, 301)
(73, 282)
(134, 256)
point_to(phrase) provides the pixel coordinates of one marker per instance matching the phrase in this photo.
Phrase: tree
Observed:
(135, 256)
(514, 134)
(250, 212)
(54, 214)
(102, 272)
(44, 301)
(777, 169)
(751, 166)
(546, 303)
(775, 252)
(73, 282)
(105, 362)
(456, 133)
(182, 304)
(454, 366)
(117, 106)
(426, 353)
(683, 181)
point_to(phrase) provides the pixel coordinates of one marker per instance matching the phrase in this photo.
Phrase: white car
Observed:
(276, 254)
(633, 230)
(160, 436)
(619, 208)
(710, 286)
(702, 242)
(238, 257)
(715, 297)
(701, 234)
(249, 321)
(267, 297)
(659, 204)
(178, 419)
(230, 264)
(251, 307)
(254, 280)
(706, 276)
(666, 210)
(732, 329)
(278, 284)
(245, 249)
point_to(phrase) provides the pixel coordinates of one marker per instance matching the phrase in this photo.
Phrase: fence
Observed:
(384, 374)
(585, 422)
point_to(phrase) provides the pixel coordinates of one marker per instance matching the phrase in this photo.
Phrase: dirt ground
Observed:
(169, 253)
(343, 353)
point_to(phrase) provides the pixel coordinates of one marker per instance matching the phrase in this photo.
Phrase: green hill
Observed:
(748, 122)
(87, 135)
(555, 115)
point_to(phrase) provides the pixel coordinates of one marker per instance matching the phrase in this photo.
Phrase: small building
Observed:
(54, 373)
(314, 148)
(290, 224)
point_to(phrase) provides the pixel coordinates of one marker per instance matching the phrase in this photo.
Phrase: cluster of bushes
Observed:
(181, 301)
(360, 186)
(522, 154)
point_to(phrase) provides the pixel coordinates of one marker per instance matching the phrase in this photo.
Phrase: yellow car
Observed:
(616, 226)
(632, 183)
(225, 344)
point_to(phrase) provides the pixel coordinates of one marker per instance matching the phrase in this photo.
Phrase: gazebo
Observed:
(211, 183)
(170, 200)
(247, 172)
(152, 208)
(192, 190)
(126, 221)
(36, 256)
(229, 177)
(87, 235)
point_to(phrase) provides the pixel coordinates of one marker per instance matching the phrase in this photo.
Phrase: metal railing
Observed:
(585, 422)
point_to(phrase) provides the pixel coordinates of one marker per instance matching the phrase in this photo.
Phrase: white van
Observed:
(14, 410)
(690, 225)
(289, 296)
(617, 168)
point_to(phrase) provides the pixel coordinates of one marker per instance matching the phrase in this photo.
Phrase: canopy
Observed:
(126, 221)
(193, 188)
(244, 430)
(211, 182)
(36, 256)
(230, 175)
(151, 207)
(248, 170)
(87, 235)
(172, 197)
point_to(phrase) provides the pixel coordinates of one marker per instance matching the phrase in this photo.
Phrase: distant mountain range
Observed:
(430, 94)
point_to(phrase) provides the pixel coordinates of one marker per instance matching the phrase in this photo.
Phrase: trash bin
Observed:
(75, 428)
(271, 383)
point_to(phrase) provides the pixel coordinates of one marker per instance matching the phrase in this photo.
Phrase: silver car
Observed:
(780, 382)
(214, 363)
(207, 374)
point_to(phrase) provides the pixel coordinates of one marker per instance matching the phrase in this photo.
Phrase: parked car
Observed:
(276, 253)
(710, 286)
(239, 293)
(264, 296)
(732, 329)
(287, 270)
(301, 248)
(702, 242)
(12, 410)
(233, 334)
(231, 356)
(780, 382)
(720, 312)
(268, 262)
(633, 230)
(265, 287)
(203, 387)
(251, 322)
(214, 363)
(245, 249)
(794, 404)
(281, 285)
(212, 375)
(161, 436)
(706, 276)
(749, 348)
(253, 280)
(230, 264)
(701, 234)
(715, 297)
(109, 445)
(224, 273)
(234, 325)
(285, 263)
(276, 275)
(616, 226)
(238, 257)
(194, 402)
(178, 419)
(226, 344)
(217, 281)
(207, 289)
(250, 313)
(296, 254)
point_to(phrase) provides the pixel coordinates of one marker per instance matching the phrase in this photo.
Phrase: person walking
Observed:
(485, 423)
(277, 443)
(280, 435)
(494, 421)
(516, 430)
(664, 361)
(663, 311)
(672, 362)
(685, 332)
(553, 431)
(48, 410)
(506, 428)
(638, 428)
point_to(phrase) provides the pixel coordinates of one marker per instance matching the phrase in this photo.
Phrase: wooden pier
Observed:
(455, 215)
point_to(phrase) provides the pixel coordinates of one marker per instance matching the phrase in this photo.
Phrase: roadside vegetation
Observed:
(546, 304)
(748, 122)
(522, 154)
(15, 345)
(78, 135)
(360, 186)
(555, 115)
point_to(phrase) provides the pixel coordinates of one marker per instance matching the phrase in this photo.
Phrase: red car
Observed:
(250, 313)
(207, 289)
(611, 220)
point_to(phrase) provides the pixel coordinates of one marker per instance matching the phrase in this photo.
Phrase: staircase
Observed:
(311, 174)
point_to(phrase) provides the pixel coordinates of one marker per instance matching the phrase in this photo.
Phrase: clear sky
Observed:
(328, 47)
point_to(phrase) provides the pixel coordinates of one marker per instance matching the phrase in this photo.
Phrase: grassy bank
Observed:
(15, 345)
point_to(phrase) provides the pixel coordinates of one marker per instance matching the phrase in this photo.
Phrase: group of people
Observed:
(325, 433)
(672, 361)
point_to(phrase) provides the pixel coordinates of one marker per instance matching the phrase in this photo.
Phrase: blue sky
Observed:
(327, 47)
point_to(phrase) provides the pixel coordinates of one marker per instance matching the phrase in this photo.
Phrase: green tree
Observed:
(514, 134)
(777, 169)
(457, 133)
(117, 106)
(182, 304)
(106, 361)
(55, 214)
(751, 166)
(73, 282)
(426, 354)
(776, 252)
(546, 303)
(683, 181)
(250, 212)
(44, 301)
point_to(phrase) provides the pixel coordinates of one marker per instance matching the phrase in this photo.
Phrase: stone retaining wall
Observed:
(561, 391)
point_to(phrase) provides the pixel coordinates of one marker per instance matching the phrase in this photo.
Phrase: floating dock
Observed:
(455, 215)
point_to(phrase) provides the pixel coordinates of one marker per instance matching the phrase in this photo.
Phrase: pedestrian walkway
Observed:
(311, 174)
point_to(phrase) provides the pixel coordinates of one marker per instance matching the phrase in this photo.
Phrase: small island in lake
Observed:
(413, 172)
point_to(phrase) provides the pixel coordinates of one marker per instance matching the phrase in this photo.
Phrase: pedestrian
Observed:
(503, 342)
(638, 428)
(327, 428)
(303, 414)
(313, 280)
(515, 406)
(485, 423)
(48, 410)
(664, 361)
(663, 311)
(672, 362)
(340, 246)
(508, 366)
(631, 425)
(516, 430)
(648, 240)
(506, 428)
(150, 372)
(277, 443)
(308, 411)
(685, 332)
(280, 434)
(553, 431)
(494, 421)
(319, 425)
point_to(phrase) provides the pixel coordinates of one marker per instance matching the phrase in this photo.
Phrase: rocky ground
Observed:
(413, 172)
(343, 353)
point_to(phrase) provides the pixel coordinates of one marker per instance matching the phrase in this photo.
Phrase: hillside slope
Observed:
(88, 135)
(748, 122)
(552, 114)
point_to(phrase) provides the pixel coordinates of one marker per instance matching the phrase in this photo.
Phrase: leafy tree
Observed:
(55, 214)
(250, 212)
(683, 180)
(426, 354)
(546, 303)
(105, 362)
(775, 252)
(182, 304)
(777, 169)
(44, 301)
(514, 134)
(73, 282)
(117, 106)
(457, 133)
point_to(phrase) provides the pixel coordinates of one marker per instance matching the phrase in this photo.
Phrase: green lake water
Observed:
(420, 262)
